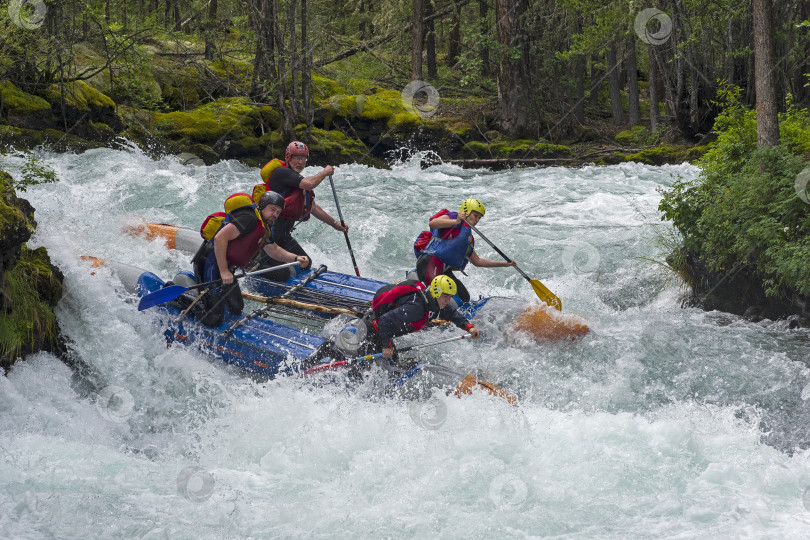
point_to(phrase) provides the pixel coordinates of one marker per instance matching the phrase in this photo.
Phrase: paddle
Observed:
(540, 290)
(321, 269)
(346, 234)
(167, 294)
(379, 355)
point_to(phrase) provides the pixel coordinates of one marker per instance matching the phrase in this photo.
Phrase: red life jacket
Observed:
(386, 298)
(297, 201)
(240, 249)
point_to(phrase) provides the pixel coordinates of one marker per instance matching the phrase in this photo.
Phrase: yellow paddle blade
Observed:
(546, 295)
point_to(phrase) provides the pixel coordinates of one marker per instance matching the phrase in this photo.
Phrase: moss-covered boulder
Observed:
(16, 222)
(18, 108)
(30, 286)
(334, 147)
(635, 136)
(31, 290)
(215, 123)
(667, 154)
(324, 87)
(78, 104)
(515, 149)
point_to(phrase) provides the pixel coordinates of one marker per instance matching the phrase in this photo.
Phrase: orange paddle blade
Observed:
(471, 381)
(545, 324)
(151, 231)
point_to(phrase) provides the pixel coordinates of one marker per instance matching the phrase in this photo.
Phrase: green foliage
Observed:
(744, 209)
(30, 290)
(34, 172)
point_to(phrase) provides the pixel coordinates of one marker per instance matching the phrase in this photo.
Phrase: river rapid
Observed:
(662, 422)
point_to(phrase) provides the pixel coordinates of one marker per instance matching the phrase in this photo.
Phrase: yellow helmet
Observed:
(472, 205)
(442, 284)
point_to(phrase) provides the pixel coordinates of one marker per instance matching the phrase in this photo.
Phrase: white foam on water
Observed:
(662, 422)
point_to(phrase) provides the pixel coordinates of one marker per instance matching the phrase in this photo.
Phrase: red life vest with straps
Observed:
(241, 249)
(386, 298)
(297, 201)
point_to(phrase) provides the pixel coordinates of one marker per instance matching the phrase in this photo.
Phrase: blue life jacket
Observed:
(453, 246)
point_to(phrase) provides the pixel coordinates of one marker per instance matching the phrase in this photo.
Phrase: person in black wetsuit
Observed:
(234, 244)
(398, 309)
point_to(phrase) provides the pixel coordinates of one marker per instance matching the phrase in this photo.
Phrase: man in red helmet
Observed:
(299, 196)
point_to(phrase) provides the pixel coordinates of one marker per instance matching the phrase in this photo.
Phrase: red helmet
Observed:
(296, 148)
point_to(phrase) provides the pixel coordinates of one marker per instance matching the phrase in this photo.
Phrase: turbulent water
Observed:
(662, 422)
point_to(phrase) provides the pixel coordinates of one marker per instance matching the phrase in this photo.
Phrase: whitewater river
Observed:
(662, 422)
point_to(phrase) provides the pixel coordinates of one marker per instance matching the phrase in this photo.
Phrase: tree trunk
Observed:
(364, 26)
(281, 76)
(597, 79)
(454, 43)
(209, 30)
(511, 114)
(654, 92)
(417, 35)
(614, 86)
(579, 77)
(767, 119)
(306, 70)
(634, 109)
(263, 59)
(483, 11)
(802, 91)
(295, 64)
(430, 41)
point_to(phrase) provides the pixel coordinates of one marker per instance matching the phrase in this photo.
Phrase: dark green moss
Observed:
(635, 136)
(32, 290)
(15, 101)
(80, 95)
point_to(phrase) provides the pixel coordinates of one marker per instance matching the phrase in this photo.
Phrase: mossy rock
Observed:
(334, 147)
(661, 155)
(271, 117)
(212, 123)
(238, 74)
(180, 90)
(635, 136)
(324, 87)
(16, 220)
(407, 122)
(477, 149)
(15, 101)
(551, 150)
(31, 289)
(59, 141)
(612, 159)
(80, 95)
(459, 126)
(103, 131)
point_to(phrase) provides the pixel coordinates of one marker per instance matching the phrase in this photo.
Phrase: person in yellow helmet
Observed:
(397, 310)
(449, 246)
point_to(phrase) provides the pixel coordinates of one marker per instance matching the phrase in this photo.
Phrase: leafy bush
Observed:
(34, 172)
(744, 209)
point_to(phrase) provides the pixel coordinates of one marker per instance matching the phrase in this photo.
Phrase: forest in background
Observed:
(546, 68)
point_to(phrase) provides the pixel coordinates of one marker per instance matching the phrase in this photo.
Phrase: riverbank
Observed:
(171, 108)
(30, 285)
